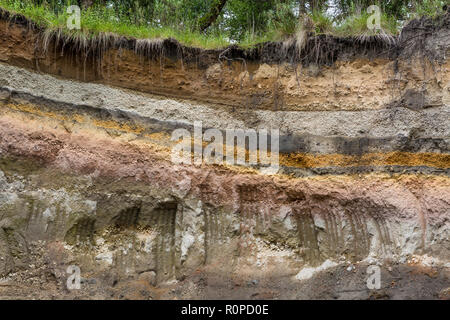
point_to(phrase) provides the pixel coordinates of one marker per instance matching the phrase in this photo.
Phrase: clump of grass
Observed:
(250, 39)
(96, 21)
(428, 8)
(281, 21)
(356, 25)
(101, 22)
(322, 23)
(293, 28)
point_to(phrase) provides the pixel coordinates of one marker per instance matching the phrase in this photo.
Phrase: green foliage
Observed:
(322, 22)
(97, 19)
(430, 8)
(246, 17)
(246, 22)
(395, 8)
(281, 19)
(356, 24)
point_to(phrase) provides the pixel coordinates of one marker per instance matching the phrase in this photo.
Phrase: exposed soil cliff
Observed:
(86, 176)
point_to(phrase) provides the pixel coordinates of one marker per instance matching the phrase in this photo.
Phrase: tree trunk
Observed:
(209, 18)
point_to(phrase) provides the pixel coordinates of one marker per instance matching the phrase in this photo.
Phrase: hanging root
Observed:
(304, 47)
(149, 48)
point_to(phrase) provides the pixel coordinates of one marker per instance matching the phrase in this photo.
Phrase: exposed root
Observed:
(149, 47)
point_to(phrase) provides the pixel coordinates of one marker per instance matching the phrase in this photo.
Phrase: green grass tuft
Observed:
(97, 20)
(356, 25)
(322, 23)
(281, 23)
(429, 8)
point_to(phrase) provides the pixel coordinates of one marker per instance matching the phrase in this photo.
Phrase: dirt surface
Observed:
(87, 178)
(131, 219)
(399, 282)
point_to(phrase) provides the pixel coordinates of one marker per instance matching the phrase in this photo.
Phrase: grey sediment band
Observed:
(289, 143)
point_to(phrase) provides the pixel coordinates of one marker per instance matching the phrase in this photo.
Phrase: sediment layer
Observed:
(126, 208)
(101, 144)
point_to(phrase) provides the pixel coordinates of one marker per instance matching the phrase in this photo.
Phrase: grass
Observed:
(322, 23)
(430, 8)
(356, 25)
(96, 21)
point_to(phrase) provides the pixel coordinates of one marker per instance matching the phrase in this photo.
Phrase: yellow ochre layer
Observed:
(296, 160)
